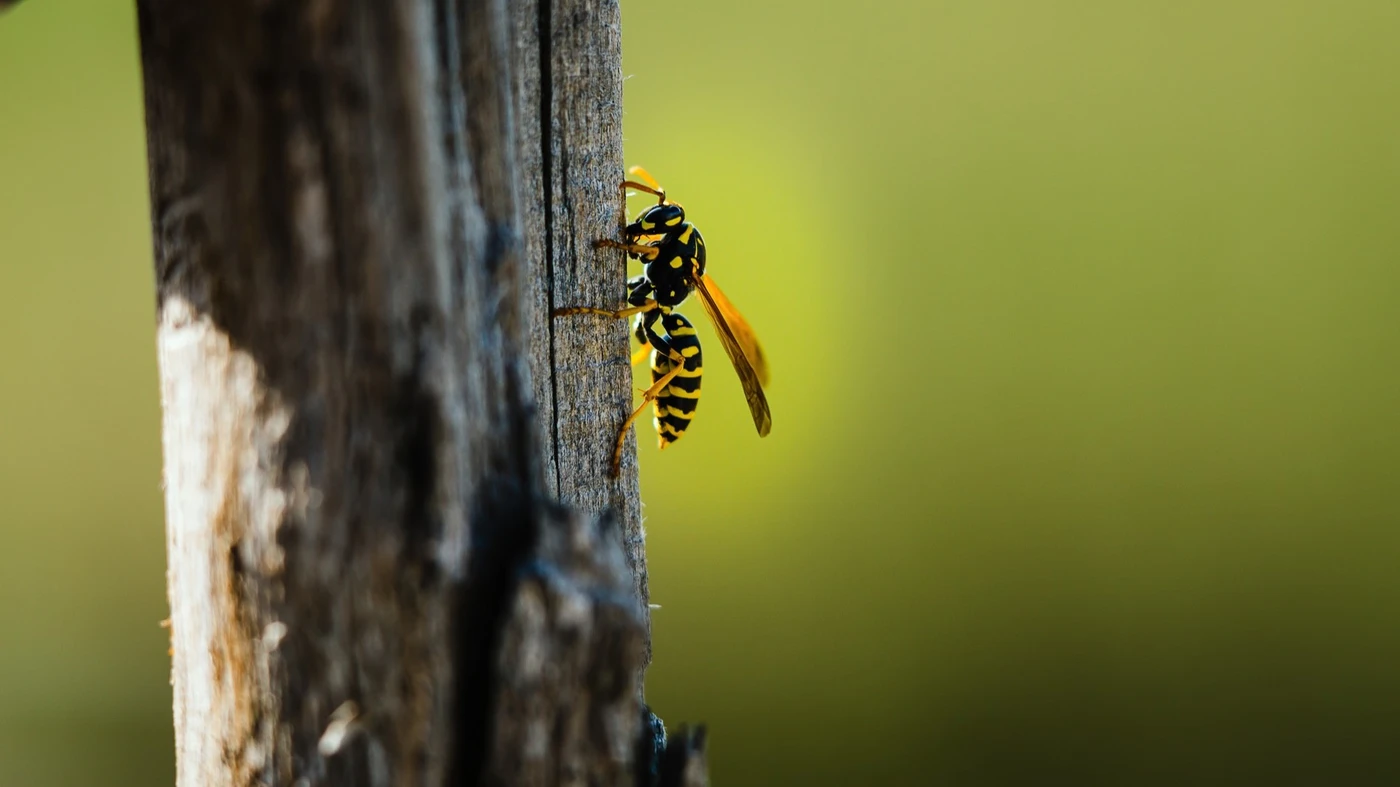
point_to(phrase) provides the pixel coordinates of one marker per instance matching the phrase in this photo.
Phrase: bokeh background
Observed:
(1087, 363)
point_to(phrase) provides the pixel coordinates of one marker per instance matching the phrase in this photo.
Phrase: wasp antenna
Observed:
(645, 176)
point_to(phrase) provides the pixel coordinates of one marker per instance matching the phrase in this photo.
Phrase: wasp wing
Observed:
(740, 327)
(726, 321)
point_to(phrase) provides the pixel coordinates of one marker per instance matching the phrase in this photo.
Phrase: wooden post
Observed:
(362, 213)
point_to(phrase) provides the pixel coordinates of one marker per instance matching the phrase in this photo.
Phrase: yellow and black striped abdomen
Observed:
(675, 406)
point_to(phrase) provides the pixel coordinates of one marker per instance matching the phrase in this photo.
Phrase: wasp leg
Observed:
(639, 290)
(565, 311)
(638, 249)
(648, 396)
(644, 326)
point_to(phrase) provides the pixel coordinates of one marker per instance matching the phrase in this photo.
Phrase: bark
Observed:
(361, 215)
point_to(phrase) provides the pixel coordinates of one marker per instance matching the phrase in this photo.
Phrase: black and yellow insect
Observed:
(674, 255)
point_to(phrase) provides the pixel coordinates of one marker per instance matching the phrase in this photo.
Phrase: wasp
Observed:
(673, 253)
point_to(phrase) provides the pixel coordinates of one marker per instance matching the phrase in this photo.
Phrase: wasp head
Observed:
(660, 219)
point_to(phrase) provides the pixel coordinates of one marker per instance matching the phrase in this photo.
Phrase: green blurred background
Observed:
(1083, 326)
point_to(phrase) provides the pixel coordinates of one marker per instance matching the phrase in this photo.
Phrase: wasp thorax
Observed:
(658, 220)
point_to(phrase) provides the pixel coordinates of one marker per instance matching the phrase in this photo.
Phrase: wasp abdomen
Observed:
(675, 405)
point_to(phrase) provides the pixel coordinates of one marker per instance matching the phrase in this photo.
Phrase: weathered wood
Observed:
(572, 642)
(328, 431)
(362, 573)
(569, 102)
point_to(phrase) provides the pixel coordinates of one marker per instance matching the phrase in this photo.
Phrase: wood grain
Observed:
(569, 101)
